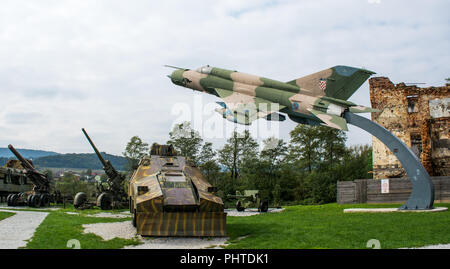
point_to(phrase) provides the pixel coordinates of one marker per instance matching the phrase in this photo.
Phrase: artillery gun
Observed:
(169, 196)
(41, 194)
(113, 196)
(250, 198)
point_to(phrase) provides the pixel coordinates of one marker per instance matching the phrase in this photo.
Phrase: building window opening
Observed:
(412, 104)
(416, 144)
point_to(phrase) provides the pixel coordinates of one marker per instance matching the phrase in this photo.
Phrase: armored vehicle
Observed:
(112, 196)
(169, 196)
(41, 194)
(13, 180)
(249, 198)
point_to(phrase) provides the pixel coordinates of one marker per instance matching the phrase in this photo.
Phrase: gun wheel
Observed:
(239, 206)
(8, 199)
(14, 199)
(263, 206)
(29, 200)
(104, 201)
(44, 200)
(35, 200)
(79, 200)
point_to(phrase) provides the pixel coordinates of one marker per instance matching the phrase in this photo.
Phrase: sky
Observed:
(99, 64)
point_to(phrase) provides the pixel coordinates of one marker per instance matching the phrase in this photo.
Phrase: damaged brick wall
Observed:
(419, 117)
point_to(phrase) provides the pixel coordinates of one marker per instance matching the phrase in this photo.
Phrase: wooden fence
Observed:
(369, 191)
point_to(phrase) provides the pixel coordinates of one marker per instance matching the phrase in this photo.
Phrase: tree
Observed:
(207, 153)
(228, 158)
(332, 143)
(273, 153)
(305, 146)
(357, 163)
(228, 155)
(208, 163)
(49, 174)
(134, 151)
(69, 185)
(240, 152)
(248, 150)
(186, 141)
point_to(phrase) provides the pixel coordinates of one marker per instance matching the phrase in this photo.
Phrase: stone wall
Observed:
(419, 117)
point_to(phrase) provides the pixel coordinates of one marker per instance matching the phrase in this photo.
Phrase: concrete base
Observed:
(389, 210)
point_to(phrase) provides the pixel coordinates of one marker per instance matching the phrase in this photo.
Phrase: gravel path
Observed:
(180, 243)
(440, 246)
(16, 229)
(109, 231)
(250, 212)
(28, 208)
(125, 230)
(112, 215)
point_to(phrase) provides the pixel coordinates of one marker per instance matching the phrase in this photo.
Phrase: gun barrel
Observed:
(95, 148)
(24, 162)
(39, 180)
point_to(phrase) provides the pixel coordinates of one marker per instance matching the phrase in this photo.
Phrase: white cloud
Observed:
(65, 65)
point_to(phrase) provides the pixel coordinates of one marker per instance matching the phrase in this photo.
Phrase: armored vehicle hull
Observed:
(170, 197)
(13, 180)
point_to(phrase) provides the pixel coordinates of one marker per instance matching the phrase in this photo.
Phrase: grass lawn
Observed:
(59, 227)
(297, 227)
(326, 226)
(4, 215)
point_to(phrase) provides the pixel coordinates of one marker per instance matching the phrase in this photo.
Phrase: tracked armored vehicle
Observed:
(112, 196)
(169, 196)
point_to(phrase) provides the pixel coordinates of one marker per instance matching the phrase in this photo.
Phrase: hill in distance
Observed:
(80, 160)
(51, 159)
(26, 153)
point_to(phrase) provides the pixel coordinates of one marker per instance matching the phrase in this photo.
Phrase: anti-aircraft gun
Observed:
(41, 194)
(113, 196)
(249, 198)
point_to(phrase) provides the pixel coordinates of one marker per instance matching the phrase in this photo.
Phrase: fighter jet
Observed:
(319, 98)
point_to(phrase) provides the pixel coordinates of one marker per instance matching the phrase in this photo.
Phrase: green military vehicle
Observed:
(13, 180)
(249, 199)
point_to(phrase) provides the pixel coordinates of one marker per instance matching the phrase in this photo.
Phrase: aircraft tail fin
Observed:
(338, 82)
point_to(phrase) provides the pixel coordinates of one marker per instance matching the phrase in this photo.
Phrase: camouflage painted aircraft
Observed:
(319, 98)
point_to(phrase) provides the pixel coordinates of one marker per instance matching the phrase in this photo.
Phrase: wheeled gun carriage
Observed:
(112, 196)
(250, 198)
(41, 194)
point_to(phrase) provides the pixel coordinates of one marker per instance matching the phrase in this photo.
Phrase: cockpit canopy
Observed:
(205, 69)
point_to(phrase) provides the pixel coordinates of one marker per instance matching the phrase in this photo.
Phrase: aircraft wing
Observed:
(244, 109)
(330, 120)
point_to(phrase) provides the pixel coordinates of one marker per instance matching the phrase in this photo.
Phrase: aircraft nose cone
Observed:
(177, 77)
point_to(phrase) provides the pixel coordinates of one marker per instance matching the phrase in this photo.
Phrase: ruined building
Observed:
(419, 117)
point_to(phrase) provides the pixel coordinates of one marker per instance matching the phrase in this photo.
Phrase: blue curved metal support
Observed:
(422, 195)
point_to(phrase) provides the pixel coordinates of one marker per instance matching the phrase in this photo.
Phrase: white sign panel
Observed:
(385, 186)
